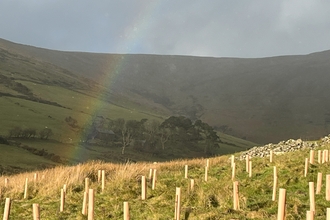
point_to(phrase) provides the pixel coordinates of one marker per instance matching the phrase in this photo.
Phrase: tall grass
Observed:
(208, 200)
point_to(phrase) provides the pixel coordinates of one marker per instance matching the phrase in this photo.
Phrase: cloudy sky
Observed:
(219, 28)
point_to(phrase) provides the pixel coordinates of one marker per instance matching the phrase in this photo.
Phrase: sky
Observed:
(216, 28)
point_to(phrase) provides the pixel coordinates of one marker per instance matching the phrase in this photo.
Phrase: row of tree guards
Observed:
(89, 194)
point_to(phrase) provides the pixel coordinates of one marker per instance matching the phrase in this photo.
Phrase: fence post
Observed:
(36, 211)
(250, 168)
(306, 167)
(26, 188)
(271, 156)
(328, 214)
(235, 196)
(126, 211)
(86, 184)
(6, 182)
(154, 179)
(84, 206)
(177, 203)
(319, 155)
(64, 188)
(309, 215)
(311, 196)
(233, 170)
(274, 184)
(91, 204)
(206, 173)
(247, 160)
(311, 157)
(192, 184)
(207, 162)
(7, 209)
(150, 174)
(35, 177)
(232, 160)
(143, 188)
(319, 183)
(327, 187)
(281, 204)
(99, 176)
(185, 171)
(62, 200)
(103, 180)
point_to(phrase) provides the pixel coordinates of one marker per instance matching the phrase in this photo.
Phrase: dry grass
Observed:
(208, 200)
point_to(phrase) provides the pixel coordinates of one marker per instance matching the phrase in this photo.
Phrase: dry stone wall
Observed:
(283, 147)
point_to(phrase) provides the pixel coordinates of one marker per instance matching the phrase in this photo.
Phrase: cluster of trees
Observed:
(153, 136)
(18, 132)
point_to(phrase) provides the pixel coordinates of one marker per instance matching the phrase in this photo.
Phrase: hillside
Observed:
(38, 96)
(210, 198)
(262, 100)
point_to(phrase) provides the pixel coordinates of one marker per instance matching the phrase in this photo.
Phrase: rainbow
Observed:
(133, 35)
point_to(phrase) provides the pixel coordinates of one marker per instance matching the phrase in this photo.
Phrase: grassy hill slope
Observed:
(211, 199)
(35, 94)
(248, 98)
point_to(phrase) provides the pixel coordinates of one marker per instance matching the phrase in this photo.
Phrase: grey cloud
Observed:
(221, 28)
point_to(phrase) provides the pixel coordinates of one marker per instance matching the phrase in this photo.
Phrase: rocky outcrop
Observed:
(282, 147)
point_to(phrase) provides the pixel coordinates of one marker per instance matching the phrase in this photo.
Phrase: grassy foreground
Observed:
(211, 199)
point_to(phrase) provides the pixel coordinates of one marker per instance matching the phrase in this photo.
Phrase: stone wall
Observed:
(283, 147)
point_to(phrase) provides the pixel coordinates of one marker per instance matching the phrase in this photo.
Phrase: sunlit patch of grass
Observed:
(211, 199)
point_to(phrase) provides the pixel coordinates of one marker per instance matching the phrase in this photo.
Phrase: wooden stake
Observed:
(319, 183)
(208, 162)
(86, 184)
(250, 168)
(126, 211)
(311, 196)
(103, 180)
(26, 188)
(281, 204)
(84, 206)
(36, 211)
(328, 214)
(64, 188)
(7, 209)
(35, 177)
(326, 156)
(271, 156)
(62, 200)
(192, 184)
(99, 176)
(306, 167)
(6, 182)
(323, 156)
(311, 157)
(177, 203)
(150, 174)
(206, 171)
(186, 171)
(247, 163)
(143, 188)
(319, 155)
(274, 184)
(235, 196)
(232, 160)
(154, 179)
(327, 187)
(91, 204)
(309, 215)
(233, 171)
